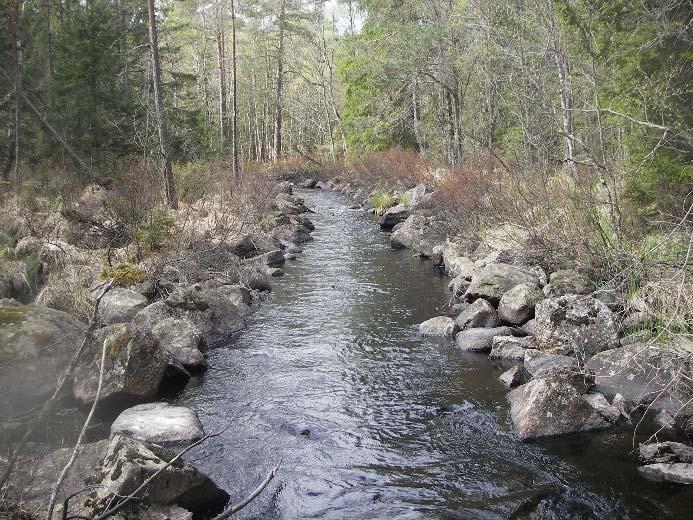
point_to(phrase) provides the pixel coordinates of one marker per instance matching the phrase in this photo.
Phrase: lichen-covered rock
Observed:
(575, 326)
(36, 344)
(657, 376)
(395, 215)
(510, 348)
(494, 280)
(566, 282)
(554, 404)
(607, 411)
(160, 423)
(517, 305)
(536, 361)
(134, 367)
(439, 326)
(667, 462)
(408, 233)
(120, 305)
(478, 314)
(480, 340)
(129, 462)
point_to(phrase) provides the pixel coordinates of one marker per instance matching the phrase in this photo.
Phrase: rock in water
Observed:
(517, 305)
(512, 378)
(478, 314)
(667, 462)
(494, 280)
(135, 366)
(480, 340)
(160, 423)
(575, 325)
(554, 404)
(129, 462)
(121, 305)
(439, 326)
(395, 215)
(36, 344)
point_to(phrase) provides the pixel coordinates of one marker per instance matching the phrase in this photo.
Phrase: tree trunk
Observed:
(171, 197)
(16, 54)
(235, 166)
(221, 59)
(279, 85)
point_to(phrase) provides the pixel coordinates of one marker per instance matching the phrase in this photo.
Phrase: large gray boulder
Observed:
(36, 344)
(568, 281)
(408, 233)
(510, 348)
(575, 326)
(135, 365)
(494, 280)
(457, 263)
(554, 404)
(395, 215)
(129, 462)
(517, 305)
(667, 462)
(657, 376)
(439, 326)
(120, 305)
(479, 314)
(160, 423)
(295, 233)
(480, 340)
(458, 286)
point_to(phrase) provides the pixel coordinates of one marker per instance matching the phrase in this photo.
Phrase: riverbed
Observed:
(368, 419)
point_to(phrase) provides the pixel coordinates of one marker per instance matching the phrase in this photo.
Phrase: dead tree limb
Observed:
(234, 508)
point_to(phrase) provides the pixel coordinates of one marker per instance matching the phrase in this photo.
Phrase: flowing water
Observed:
(370, 420)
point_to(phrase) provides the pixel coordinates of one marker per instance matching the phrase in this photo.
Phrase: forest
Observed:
(149, 149)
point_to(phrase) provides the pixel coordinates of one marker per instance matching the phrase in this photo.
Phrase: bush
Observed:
(123, 274)
(156, 229)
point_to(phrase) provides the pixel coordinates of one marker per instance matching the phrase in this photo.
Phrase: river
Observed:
(370, 420)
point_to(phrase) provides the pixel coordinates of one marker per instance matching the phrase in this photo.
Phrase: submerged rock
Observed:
(575, 325)
(160, 423)
(439, 326)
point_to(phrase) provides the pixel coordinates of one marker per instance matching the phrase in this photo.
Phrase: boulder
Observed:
(160, 423)
(458, 286)
(457, 263)
(554, 404)
(607, 411)
(409, 233)
(667, 462)
(516, 306)
(243, 246)
(494, 280)
(480, 340)
(120, 305)
(529, 328)
(656, 376)
(536, 361)
(478, 314)
(129, 462)
(439, 326)
(295, 233)
(575, 325)
(512, 378)
(36, 344)
(677, 472)
(510, 348)
(134, 367)
(395, 215)
(309, 183)
(566, 282)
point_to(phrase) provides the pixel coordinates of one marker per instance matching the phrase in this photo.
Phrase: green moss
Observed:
(10, 314)
(123, 274)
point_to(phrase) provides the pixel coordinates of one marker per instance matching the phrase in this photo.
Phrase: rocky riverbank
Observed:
(151, 333)
(572, 359)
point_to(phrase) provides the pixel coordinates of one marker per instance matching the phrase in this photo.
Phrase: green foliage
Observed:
(156, 229)
(382, 201)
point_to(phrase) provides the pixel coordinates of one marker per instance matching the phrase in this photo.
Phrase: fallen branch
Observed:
(237, 507)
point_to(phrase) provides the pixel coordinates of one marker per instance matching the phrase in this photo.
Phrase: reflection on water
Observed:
(370, 420)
